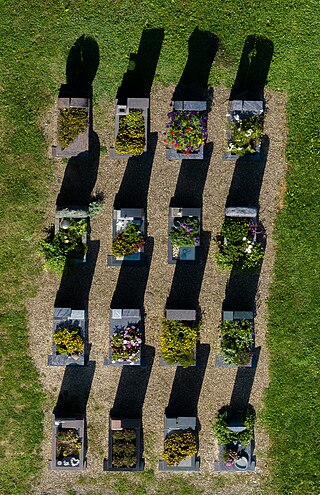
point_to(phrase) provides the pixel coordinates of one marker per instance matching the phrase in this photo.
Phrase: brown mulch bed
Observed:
(214, 386)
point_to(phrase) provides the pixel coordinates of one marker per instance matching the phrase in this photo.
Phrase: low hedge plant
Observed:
(71, 123)
(178, 342)
(178, 446)
(236, 342)
(131, 134)
(225, 436)
(68, 341)
(124, 448)
(127, 242)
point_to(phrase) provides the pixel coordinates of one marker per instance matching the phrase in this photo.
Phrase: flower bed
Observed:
(65, 244)
(124, 453)
(236, 342)
(178, 342)
(68, 447)
(178, 446)
(131, 136)
(246, 132)
(239, 248)
(185, 232)
(186, 131)
(71, 123)
(68, 341)
(126, 345)
(128, 241)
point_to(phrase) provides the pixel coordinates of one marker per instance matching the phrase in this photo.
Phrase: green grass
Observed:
(35, 40)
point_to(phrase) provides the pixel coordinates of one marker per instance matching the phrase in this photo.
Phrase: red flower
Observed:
(188, 129)
(172, 132)
(172, 142)
(164, 140)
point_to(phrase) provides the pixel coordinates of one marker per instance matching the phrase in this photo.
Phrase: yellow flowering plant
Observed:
(178, 341)
(179, 446)
(68, 340)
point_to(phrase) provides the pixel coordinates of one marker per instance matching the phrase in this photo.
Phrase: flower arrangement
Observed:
(179, 446)
(131, 135)
(226, 437)
(236, 341)
(127, 242)
(68, 341)
(178, 341)
(125, 345)
(68, 443)
(230, 457)
(71, 123)
(124, 448)
(186, 131)
(64, 244)
(245, 133)
(238, 249)
(187, 233)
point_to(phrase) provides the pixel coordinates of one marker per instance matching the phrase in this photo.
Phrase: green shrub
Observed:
(124, 448)
(131, 134)
(127, 242)
(240, 251)
(71, 123)
(225, 436)
(245, 133)
(96, 207)
(68, 443)
(236, 341)
(187, 234)
(58, 249)
(68, 340)
(178, 341)
(179, 446)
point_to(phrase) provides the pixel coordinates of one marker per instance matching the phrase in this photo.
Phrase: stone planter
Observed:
(246, 463)
(67, 317)
(185, 254)
(119, 425)
(141, 104)
(236, 316)
(80, 145)
(199, 106)
(120, 318)
(179, 315)
(180, 424)
(243, 108)
(73, 213)
(68, 463)
(121, 219)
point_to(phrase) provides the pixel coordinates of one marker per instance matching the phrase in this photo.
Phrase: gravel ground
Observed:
(215, 387)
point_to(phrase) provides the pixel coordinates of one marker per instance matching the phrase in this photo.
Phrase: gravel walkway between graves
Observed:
(218, 384)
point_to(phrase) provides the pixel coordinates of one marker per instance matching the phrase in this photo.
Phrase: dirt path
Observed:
(215, 177)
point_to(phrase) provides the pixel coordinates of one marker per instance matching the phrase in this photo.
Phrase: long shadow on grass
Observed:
(81, 68)
(187, 385)
(80, 176)
(132, 388)
(253, 69)
(138, 79)
(193, 84)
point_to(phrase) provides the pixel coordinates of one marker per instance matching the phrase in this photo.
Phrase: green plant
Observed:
(124, 448)
(186, 131)
(68, 443)
(71, 123)
(178, 341)
(96, 207)
(225, 436)
(127, 242)
(125, 344)
(236, 341)
(238, 248)
(68, 340)
(187, 234)
(245, 133)
(58, 249)
(178, 446)
(131, 134)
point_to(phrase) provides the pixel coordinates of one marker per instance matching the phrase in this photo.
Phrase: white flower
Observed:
(244, 239)
(237, 118)
(248, 249)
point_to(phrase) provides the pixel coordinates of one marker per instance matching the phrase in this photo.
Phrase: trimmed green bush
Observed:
(131, 134)
(179, 446)
(71, 123)
(236, 341)
(225, 436)
(178, 341)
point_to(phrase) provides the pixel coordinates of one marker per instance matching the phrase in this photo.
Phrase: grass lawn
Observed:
(35, 40)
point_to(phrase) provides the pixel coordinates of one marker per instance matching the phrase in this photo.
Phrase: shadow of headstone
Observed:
(80, 176)
(243, 384)
(193, 84)
(138, 79)
(132, 387)
(81, 68)
(253, 69)
(187, 385)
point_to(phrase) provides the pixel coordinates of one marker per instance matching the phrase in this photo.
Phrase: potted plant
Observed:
(73, 127)
(180, 445)
(186, 134)
(245, 130)
(65, 245)
(237, 342)
(128, 236)
(238, 246)
(67, 444)
(184, 234)
(235, 434)
(125, 446)
(178, 342)
(130, 128)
